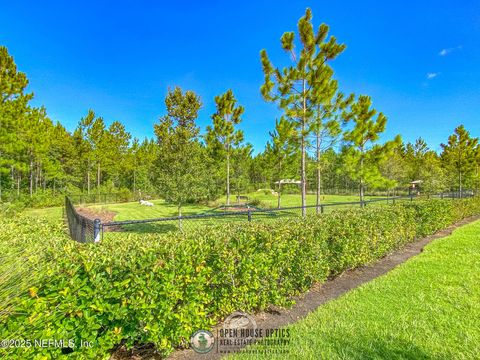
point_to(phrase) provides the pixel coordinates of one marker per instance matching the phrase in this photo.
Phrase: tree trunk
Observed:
(319, 184)
(31, 178)
(37, 177)
(279, 195)
(362, 189)
(19, 176)
(98, 176)
(362, 192)
(134, 182)
(88, 178)
(303, 175)
(460, 184)
(228, 176)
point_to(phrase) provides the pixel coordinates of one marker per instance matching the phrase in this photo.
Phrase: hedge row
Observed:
(160, 289)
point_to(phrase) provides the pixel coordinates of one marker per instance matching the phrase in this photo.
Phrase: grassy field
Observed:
(135, 211)
(52, 214)
(288, 200)
(427, 308)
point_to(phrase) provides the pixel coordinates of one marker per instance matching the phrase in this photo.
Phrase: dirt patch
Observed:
(104, 215)
(319, 294)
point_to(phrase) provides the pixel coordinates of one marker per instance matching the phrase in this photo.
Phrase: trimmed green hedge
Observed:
(160, 289)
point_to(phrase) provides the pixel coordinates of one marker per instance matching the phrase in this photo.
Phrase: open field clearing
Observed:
(161, 209)
(213, 214)
(136, 211)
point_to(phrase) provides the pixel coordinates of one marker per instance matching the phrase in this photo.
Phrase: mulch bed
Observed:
(104, 215)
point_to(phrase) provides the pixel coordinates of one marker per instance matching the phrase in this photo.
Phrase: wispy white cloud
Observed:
(432, 75)
(446, 51)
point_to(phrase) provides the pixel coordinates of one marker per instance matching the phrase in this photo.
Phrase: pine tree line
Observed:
(325, 140)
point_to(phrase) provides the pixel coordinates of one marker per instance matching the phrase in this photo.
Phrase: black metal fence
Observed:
(235, 214)
(457, 194)
(81, 228)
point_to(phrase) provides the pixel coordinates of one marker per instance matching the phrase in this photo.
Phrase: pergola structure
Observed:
(287, 181)
(284, 181)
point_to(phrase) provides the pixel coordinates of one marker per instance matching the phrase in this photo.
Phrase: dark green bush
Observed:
(138, 289)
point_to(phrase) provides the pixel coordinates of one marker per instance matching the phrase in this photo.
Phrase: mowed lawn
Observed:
(135, 211)
(161, 209)
(288, 200)
(427, 308)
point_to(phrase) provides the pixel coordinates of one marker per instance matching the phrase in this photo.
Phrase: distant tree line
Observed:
(327, 141)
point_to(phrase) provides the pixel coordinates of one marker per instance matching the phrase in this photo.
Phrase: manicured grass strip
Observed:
(429, 307)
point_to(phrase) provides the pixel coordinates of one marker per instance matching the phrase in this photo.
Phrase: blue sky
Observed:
(419, 60)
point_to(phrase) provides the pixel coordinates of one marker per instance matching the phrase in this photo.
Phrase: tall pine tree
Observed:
(299, 87)
(223, 131)
(363, 155)
(459, 156)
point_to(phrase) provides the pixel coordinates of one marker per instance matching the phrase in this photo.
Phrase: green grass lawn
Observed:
(135, 211)
(52, 214)
(427, 308)
(288, 200)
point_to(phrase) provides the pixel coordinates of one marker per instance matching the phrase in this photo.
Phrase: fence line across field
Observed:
(83, 229)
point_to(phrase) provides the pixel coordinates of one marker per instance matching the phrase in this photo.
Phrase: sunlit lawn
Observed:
(288, 200)
(52, 214)
(161, 209)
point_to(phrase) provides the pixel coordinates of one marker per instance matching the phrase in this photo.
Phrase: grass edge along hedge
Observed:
(146, 289)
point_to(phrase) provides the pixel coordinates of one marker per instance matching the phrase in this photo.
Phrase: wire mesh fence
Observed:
(81, 228)
(84, 229)
(236, 214)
